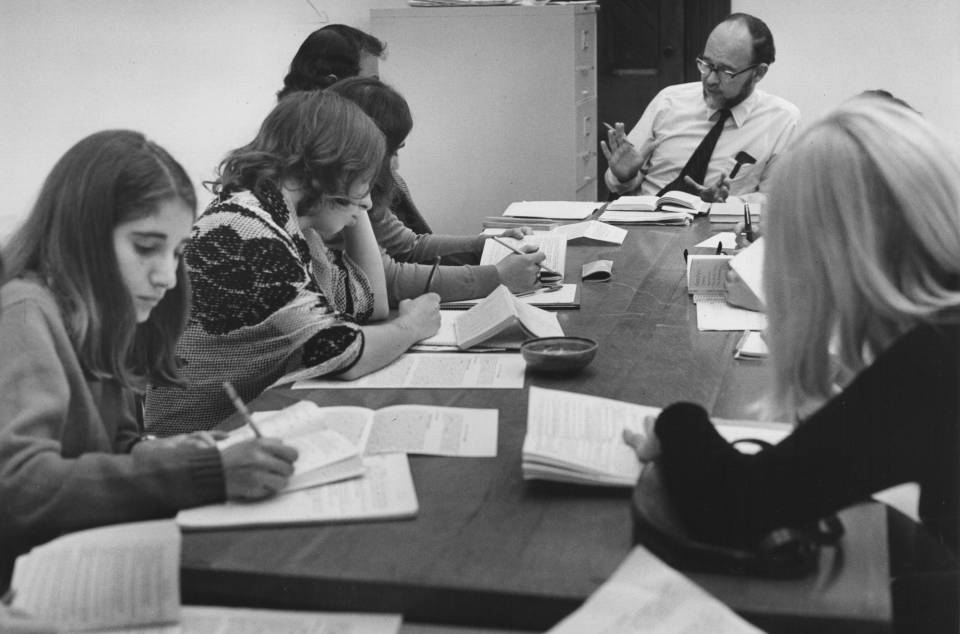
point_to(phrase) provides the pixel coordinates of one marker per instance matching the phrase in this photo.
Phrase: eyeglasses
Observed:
(723, 74)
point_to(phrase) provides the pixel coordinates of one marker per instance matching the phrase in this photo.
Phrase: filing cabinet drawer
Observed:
(585, 62)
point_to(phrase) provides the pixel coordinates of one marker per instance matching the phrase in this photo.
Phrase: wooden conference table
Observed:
(488, 549)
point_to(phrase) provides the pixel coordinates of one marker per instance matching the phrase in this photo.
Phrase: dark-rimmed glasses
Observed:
(723, 74)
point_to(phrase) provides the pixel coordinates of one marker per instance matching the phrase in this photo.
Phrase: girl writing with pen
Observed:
(92, 303)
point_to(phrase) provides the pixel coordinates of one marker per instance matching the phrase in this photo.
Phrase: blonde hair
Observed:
(863, 242)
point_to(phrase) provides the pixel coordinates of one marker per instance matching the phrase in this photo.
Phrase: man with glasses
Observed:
(715, 137)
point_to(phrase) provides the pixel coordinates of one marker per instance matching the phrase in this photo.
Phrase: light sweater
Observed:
(65, 439)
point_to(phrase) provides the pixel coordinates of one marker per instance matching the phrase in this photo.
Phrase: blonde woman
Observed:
(863, 248)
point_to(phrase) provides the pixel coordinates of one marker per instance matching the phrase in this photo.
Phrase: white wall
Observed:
(197, 76)
(829, 50)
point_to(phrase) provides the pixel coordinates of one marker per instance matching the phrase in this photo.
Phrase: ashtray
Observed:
(558, 354)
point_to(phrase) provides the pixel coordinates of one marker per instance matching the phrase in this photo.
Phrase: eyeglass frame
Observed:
(722, 73)
(346, 201)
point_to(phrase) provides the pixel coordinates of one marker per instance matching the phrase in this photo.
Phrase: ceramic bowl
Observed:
(558, 354)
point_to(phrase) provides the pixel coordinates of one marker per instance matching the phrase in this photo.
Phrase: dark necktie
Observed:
(696, 167)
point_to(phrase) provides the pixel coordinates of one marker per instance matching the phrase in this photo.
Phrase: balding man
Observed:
(714, 137)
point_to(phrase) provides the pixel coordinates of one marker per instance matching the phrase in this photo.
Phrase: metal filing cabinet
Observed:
(504, 103)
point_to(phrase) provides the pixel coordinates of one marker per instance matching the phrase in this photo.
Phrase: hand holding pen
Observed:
(433, 273)
(515, 273)
(256, 468)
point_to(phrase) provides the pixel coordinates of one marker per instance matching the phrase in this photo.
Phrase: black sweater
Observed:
(898, 421)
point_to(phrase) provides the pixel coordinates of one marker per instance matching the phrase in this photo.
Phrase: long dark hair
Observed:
(318, 139)
(327, 55)
(389, 110)
(106, 179)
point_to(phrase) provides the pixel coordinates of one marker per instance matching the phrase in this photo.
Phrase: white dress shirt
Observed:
(678, 118)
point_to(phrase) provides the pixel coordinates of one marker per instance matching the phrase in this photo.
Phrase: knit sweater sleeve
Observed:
(58, 472)
(898, 421)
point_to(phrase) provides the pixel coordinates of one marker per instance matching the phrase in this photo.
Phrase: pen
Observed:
(519, 252)
(686, 254)
(747, 225)
(238, 403)
(719, 248)
(433, 272)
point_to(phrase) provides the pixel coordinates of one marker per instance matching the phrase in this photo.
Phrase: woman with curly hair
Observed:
(270, 300)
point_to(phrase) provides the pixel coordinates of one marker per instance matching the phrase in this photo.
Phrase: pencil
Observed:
(608, 126)
(747, 224)
(519, 252)
(433, 272)
(238, 403)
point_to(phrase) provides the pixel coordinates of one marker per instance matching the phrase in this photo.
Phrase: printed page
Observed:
(539, 322)
(592, 230)
(495, 312)
(121, 575)
(707, 273)
(553, 245)
(646, 595)
(553, 209)
(219, 620)
(491, 370)
(748, 264)
(586, 431)
(714, 313)
(384, 491)
(436, 431)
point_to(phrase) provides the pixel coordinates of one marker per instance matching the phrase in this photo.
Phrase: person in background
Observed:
(691, 135)
(863, 237)
(92, 303)
(404, 248)
(269, 298)
(329, 54)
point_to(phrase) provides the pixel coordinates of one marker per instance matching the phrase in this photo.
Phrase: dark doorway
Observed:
(643, 46)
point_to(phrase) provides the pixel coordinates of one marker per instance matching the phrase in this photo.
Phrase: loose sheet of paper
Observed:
(384, 491)
(646, 595)
(748, 264)
(492, 370)
(565, 296)
(597, 271)
(121, 575)
(554, 209)
(714, 313)
(592, 230)
(727, 238)
(436, 431)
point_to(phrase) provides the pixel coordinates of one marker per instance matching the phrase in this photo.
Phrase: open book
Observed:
(579, 438)
(117, 576)
(128, 576)
(329, 449)
(674, 200)
(499, 320)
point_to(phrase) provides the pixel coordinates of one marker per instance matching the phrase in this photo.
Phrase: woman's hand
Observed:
(420, 315)
(519, 272)
(257, 468)
(646, 444)
(195, 440)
